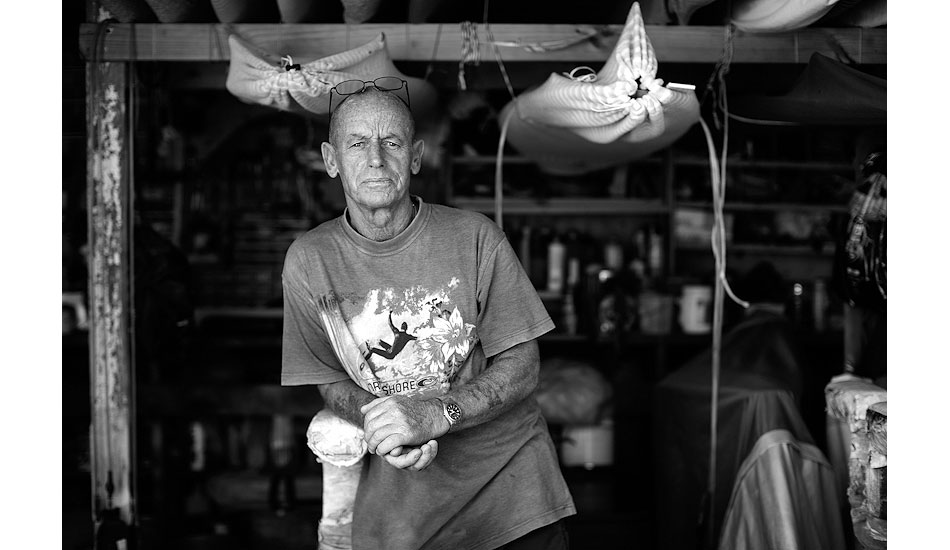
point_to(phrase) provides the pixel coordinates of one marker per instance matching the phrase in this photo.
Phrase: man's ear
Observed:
(418, 147)
(329, 159)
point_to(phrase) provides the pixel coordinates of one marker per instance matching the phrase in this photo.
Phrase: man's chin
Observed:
(381, 198)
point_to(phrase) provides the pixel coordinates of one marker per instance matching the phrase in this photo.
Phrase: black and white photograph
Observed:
(485, 275)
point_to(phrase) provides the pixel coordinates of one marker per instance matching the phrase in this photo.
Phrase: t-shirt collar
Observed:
(395, 244)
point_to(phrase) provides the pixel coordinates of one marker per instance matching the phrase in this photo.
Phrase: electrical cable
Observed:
(716, 86)
(499, 188)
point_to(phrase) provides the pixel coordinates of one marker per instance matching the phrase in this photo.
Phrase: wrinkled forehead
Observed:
(371, 109)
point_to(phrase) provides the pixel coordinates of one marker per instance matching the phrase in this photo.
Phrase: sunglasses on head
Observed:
(348, 88)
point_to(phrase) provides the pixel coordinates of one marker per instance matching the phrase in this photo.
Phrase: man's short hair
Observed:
(352, 101)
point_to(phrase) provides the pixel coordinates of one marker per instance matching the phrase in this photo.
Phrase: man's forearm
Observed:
(510, 378)
(345, 399)
(396, 421)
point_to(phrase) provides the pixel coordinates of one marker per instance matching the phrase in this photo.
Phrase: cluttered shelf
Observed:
(479, 160)
(748, 206)
(565, 206)
(751, 163)
(825, 250)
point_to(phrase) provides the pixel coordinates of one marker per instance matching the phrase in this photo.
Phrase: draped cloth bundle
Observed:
(778, 15)
(577, 124)
(302, 86)
(340, 447)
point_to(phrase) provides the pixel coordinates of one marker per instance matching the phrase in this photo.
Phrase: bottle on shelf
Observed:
(820, 305)
(556, 263)
(524, 248)
(655, 257)
(613, 255)
(540, 239)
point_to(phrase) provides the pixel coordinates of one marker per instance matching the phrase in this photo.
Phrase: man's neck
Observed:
(382, 224)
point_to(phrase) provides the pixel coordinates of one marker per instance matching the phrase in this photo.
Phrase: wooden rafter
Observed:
(444, 42)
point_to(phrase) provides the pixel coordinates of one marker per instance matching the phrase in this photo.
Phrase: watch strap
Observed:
(450, 411)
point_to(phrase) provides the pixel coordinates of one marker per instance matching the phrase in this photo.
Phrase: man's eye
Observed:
(357, 144)
(392, 144)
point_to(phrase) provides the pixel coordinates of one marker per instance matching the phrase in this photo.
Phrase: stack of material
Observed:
(875, 487)
(863, 407)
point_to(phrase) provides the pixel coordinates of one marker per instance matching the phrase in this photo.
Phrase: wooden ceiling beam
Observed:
(444, 42)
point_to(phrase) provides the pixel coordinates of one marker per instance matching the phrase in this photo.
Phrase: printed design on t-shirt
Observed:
(411, 340)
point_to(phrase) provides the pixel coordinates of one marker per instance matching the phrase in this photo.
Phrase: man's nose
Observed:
(375, 154)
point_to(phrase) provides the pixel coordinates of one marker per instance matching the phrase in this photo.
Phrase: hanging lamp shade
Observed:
(298, 11)
(866, 14)
(684, 9)
(245, 11)
(778, 15)
(359, 11)
(129, 11)
(182, 11)
(573, 125)
(827, 92)
(258, 77)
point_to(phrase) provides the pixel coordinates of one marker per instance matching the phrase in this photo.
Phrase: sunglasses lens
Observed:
(348, 87)
(388, 83)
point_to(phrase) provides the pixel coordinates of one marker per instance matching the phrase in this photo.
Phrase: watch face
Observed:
(455, 413)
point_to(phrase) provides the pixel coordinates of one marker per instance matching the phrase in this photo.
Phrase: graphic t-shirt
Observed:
(417, 315)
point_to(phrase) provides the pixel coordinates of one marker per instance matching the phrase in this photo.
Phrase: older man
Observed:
(461, 457)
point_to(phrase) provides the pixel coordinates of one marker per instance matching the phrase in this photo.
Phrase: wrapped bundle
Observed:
(340, 447)
(847, 398)
(778, 15)
(572, 392)
(577, 123)
(289, 84)
(334, 440)
(876, 478)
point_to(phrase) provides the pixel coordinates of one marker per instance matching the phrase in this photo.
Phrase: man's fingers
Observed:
(375, 435)
(405, 461)
(427, 455)
(390, 442)
(369, 406)
(381, 410)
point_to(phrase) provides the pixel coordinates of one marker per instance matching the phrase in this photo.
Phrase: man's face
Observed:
(372, 150)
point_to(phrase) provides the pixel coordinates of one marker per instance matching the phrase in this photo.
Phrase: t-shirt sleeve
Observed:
(306, 353)
(511, 312)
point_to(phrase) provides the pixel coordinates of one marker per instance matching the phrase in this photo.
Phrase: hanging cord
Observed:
(499, 191)
(435, 50)
(470, 51)
(716, 86)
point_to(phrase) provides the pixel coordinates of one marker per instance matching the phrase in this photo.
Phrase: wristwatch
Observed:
(451, 411)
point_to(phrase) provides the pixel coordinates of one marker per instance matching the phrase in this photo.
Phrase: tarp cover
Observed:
(784, 497)
(828, 92)
(760, 387)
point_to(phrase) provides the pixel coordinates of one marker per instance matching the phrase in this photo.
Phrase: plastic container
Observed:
(588, 446)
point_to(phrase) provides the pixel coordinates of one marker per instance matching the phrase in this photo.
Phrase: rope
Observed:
(470, 50)
(716, 86)
(435, 49)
